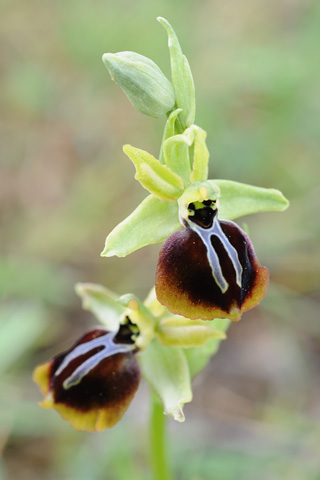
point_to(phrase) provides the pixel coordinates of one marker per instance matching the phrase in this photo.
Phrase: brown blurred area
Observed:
(65, 183)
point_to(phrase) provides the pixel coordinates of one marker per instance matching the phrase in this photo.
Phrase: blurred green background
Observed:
(65, 183)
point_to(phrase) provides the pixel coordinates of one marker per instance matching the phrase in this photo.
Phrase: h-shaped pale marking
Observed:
(205, 234)
(109, 348)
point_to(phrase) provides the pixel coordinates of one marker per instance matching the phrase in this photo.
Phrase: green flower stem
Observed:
(159, 449)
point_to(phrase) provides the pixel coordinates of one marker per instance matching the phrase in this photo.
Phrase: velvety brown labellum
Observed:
(185, 283)
(100, 397)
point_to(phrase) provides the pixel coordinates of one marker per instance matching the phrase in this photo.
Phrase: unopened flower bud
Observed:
(147, 88)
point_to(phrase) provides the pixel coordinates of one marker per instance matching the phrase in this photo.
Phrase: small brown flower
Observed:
(92, 384)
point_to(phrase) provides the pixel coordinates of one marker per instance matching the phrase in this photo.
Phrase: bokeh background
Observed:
(65, 183)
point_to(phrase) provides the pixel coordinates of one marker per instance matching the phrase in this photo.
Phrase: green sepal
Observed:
(182, 332)
(146, 87)
(238, 199)
(170, 130)
(103, 303)
(166, 370)
(153, 176)
(176, 156)
(176, 152)
(181, 77)
(200, 157)
(151, 222)
(199, 357)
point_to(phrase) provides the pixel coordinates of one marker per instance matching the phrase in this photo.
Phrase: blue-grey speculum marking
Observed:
(205, 223)
(108, 348)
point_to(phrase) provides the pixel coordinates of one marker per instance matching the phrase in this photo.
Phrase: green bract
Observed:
(166, 370)
(147, 88)
(181, 78)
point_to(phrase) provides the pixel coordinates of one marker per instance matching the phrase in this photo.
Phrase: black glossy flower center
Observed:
(203, 220)
(202, 213)
(87, 354)
(127, 332)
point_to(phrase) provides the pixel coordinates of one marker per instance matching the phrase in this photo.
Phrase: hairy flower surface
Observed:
(92, 384)
(209, 269)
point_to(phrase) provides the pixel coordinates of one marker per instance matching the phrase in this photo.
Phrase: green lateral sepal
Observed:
(102, 302)
(151, 222)
(239, 199)
(166, 370)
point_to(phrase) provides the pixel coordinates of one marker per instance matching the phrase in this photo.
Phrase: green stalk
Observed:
(159, 447)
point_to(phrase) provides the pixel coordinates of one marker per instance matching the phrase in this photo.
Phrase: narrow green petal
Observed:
(102, 303)
(153, 176)
(166, 370)
(151, 222)
(182, 80)
(182, 332)
(238, 199)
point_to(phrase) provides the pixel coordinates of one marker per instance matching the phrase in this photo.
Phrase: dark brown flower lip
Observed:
(206, 224)
(92, 384)
(101, 347)
(209, 273)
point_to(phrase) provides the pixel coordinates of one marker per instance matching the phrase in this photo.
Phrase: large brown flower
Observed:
(209, 268)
